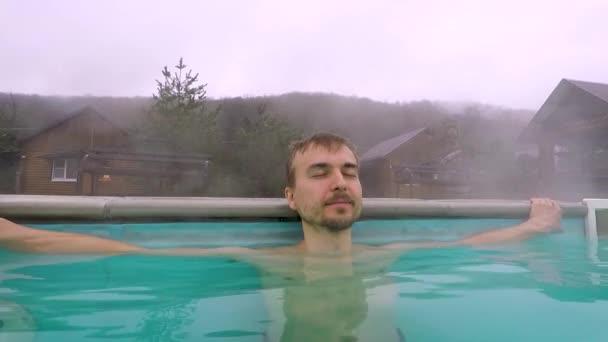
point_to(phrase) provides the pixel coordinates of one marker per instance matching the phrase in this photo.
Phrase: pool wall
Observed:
(170, 208)
(29, 209)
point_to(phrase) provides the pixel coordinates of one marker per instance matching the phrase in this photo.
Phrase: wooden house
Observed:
(569, 131)
(89, 154)
(421, 163)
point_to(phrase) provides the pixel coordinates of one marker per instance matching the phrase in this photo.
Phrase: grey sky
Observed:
(509, 53)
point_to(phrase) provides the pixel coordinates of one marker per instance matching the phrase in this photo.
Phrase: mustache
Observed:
(340, 197)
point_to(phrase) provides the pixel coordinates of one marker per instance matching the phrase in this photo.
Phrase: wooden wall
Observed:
(84, 131)
(429, 145)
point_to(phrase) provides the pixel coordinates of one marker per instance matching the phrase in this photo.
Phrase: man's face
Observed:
(326, 192)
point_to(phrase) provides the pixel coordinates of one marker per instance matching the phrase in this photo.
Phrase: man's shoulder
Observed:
(10, 230)
(357, 248)
(279, 250)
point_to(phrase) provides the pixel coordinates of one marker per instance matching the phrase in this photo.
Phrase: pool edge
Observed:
(134, 208)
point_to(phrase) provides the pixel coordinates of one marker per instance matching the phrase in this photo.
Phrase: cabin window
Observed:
(65, 170)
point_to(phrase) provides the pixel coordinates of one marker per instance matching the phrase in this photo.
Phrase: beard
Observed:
(337, 225)
(333, 225)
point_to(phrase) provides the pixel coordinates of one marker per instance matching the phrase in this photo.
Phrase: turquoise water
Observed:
(551, 288)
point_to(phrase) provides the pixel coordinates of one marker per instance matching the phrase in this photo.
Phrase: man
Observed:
(323, 187)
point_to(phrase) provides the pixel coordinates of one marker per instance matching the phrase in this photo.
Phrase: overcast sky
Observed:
(509, 53)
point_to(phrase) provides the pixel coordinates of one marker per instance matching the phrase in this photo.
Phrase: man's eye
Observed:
(319, 175)
(350, 173)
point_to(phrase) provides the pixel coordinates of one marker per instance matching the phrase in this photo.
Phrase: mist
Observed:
(470, 76)
(508, 54)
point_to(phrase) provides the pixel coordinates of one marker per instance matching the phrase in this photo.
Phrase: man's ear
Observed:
(289, 198)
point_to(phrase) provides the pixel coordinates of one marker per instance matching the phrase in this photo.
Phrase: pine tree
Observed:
(179, 117)
(8, 117)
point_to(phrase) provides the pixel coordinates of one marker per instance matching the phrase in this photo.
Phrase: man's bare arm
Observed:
(545, 217)
(30, 240)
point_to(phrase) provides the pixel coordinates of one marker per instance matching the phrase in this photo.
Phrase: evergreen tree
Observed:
(8, 145)
(179, 117)
(263, 143)
(8, 118)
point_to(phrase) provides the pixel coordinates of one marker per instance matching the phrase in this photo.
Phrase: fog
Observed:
(370, 71)
(508, 53)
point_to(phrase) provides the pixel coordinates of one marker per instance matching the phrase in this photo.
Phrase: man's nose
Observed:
(339, 182)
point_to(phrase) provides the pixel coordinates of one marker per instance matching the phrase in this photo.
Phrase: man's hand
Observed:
(545, 216)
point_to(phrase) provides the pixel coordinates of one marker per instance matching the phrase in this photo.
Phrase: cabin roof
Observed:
(83, 111)
(385, 147)
(571, 103)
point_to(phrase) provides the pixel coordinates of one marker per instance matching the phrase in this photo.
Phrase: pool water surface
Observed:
(551, 288)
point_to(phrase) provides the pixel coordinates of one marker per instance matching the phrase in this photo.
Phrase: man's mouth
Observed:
(339, 202)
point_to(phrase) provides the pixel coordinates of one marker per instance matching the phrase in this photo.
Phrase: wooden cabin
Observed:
(88, 154)
(569, 131)
(422, 163)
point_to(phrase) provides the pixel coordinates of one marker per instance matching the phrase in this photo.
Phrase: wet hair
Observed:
(330, 141)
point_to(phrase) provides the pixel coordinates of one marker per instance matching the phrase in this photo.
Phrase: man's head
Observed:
(323, 181)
